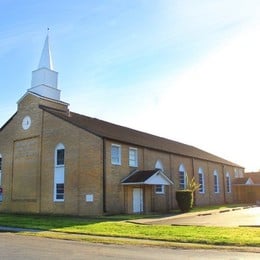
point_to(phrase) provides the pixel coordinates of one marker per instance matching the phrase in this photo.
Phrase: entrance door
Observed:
(137, 200)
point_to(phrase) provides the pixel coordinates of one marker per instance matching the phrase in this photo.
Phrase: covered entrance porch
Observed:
(141, 188)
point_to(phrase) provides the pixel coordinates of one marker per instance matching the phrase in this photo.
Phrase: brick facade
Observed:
(28, 166)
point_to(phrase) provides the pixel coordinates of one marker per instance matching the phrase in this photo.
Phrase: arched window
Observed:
(1, 195)
(0, 162)
(59, 155)
(159, 189)
(240, 173)
(159, 165)
(0, 169)
(201, 181)
(59, 169)
(182, 177)
(228, 182)
(216, 181)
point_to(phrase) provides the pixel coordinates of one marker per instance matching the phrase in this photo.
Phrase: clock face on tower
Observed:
(26, 122)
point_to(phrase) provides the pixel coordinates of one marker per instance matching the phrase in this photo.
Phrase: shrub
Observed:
(184, 199)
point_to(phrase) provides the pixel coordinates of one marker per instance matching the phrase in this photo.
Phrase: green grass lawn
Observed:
(116, 226)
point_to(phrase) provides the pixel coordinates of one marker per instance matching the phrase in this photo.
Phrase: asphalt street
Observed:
(14, 246)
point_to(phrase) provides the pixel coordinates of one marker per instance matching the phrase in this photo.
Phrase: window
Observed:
(60, 157)
(59, 191)
(236, 173)
(228, 182)
(240, 173)
(59, 172)
(159, 189)
(159, 165)
(201, 181)
(133, 157)
(0, 169)
(116, 154)
(1, 195)
(216, 182)
(0, 162)
(182, 177)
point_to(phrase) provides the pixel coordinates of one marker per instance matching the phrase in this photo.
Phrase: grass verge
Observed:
(117, 227)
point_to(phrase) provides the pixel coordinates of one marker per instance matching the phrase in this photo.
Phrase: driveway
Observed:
(236, 217)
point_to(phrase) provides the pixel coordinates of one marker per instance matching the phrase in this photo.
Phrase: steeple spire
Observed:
(46, 59)
(45, 79)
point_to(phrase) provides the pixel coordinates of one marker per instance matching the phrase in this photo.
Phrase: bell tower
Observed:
(45, 79)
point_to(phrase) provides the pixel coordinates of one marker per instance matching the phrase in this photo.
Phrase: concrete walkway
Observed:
(17, 229)
(235, 217)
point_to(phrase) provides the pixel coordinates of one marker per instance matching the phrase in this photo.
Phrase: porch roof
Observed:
(148, 177)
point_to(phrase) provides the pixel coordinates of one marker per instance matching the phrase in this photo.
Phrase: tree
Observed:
(193, 186)
(185, 198)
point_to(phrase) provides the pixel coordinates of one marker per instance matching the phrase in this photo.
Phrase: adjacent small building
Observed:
(247, 188)
(55, 161)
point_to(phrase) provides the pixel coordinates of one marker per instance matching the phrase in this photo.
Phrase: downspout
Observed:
(193, 173)
(208, 184)
(170, 187)
(104, 177)
(224, 184)
(41, 161)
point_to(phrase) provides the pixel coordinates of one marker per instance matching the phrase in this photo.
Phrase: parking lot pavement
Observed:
(236, 217)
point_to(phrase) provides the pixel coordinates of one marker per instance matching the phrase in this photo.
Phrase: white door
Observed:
(137, 200)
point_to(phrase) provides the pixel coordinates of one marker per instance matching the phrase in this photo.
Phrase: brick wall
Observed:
(28, 163)
(28, 168)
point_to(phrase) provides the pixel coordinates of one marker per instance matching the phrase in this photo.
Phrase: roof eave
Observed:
(133, 183)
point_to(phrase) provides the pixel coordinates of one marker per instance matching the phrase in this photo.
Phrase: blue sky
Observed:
(182, 69)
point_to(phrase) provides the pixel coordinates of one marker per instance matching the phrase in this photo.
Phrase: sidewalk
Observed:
(16, 229)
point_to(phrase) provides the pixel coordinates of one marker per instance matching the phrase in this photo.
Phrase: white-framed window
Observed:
(1, 169)
(159, 165)
(228, 182)
(240, 173)
(59, 172)
(216, 182)
(59, 155)
(201, 181)
(236, 173)
(133, 157)
(59, 192)
(159, 189)
(182, 177)
(1, 195)
(116, 154)
(1, 164)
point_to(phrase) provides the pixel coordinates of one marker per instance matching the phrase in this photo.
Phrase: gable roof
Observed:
(127, 135)
(242, 181)
(150, 177)
(254, 176)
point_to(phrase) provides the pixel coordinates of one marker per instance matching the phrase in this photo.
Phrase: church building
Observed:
(55, 161)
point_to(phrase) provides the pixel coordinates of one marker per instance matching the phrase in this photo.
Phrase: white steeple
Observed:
(46, 59)
(45, 79)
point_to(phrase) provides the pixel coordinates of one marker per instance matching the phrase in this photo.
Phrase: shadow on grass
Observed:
(52, 222)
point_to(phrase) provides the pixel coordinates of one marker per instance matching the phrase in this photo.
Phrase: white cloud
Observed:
(212, 104)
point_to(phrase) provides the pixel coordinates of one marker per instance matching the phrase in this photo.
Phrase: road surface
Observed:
(14, 246)
(232, 218)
